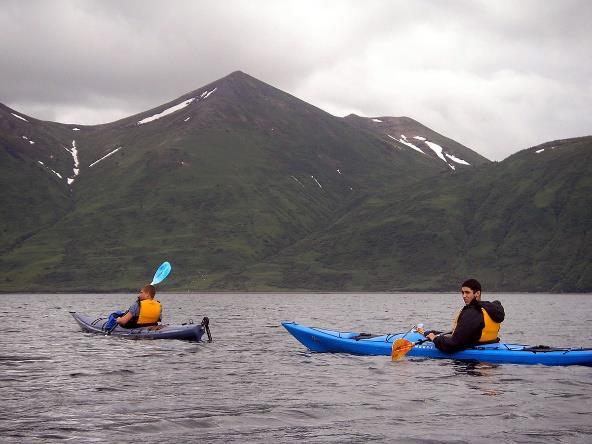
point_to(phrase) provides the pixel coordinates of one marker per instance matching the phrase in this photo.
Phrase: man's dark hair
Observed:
(473, 284)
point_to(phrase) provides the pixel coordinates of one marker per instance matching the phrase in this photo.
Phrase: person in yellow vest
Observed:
(146, 311)
(478, 322)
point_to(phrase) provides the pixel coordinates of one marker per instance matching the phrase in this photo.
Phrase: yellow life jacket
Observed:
(491, 329)
(489, 332)
(150, 310)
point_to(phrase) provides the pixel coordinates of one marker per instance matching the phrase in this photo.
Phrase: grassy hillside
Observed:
(524, 224)
(231, 179)
(244, 187)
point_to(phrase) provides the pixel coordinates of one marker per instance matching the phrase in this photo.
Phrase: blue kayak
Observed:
(323, 341)
(185, 332)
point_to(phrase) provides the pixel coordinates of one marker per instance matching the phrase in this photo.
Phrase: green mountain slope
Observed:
(34, 198)
(244, 187)
(215, 181)
(524, 224)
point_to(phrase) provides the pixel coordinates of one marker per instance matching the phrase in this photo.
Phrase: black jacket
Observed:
(469, 326)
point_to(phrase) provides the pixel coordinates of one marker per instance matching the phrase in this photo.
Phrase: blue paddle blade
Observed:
(161, 274)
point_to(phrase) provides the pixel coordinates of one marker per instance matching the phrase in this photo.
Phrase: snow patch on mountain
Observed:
(436, 149)
(540, 151)
(75, 129)
(75, 169)
(177, 107)
(105, 156)
(50, 169)
(314, 178)
(404, 141)
(75, 158)
(166, 112)
(456, 159)
(297, 181)
(208, 94)
(19, 117)
(440, 153)
(377, 120)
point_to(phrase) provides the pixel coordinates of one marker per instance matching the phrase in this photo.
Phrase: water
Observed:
(255, 383)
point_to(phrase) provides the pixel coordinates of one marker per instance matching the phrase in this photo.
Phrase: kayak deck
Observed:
(323, 341)
(185, 332)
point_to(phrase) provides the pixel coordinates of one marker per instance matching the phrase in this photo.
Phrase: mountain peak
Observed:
(237, 75)
(237, 79)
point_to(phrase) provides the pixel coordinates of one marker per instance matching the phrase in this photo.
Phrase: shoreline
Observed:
(255, 292)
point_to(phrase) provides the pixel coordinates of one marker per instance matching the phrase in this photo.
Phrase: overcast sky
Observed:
(498, 76)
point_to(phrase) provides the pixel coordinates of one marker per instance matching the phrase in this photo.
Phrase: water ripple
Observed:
(255, 383)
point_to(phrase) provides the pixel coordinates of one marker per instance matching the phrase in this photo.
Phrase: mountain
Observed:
(216, 180)
(524, 224)
(245, 187)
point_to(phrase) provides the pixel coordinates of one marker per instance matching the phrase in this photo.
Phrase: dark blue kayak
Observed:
(185, 332)
(321, 340)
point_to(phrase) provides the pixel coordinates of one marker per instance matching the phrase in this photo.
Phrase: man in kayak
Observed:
(478, 322)
(146, 311)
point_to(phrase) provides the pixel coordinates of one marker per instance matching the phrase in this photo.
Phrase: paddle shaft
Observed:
(421, 341)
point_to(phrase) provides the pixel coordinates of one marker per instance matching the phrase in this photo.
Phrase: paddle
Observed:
(161, 274)
(403, 346)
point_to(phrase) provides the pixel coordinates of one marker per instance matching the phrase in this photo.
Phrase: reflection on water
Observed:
(255, 383)
(485, 374)
(474, 368)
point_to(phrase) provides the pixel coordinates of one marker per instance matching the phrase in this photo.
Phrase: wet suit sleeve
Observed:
(134, 309)
(468, 331)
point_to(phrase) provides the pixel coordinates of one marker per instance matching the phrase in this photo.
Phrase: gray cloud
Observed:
(497, 76)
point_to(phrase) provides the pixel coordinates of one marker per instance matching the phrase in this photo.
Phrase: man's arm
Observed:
(467, 332)
(122, 320)
(132, 312)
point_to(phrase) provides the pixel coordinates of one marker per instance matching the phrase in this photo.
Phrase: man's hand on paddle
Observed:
(430, 334)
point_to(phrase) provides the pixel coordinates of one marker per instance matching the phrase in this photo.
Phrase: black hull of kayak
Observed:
(187, 332)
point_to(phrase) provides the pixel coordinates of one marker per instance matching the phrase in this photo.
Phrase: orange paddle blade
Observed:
(400, 348)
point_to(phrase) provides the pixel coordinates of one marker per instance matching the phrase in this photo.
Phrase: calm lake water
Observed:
(255, 383)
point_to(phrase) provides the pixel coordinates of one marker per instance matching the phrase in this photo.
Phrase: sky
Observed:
(497, 76)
